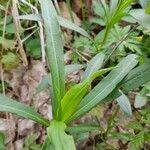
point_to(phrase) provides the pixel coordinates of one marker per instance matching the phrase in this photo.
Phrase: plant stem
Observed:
(119, 43)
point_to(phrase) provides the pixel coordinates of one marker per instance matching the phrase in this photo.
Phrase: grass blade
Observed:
(12, 106)
(55, 54)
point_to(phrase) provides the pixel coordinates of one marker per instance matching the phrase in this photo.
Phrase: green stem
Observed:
(105, 36)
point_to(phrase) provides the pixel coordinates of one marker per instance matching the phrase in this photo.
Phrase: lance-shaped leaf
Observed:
(58, 138)
(137, 77)
(106, 86)
(73, 97)
(141, 17)
(55, 54)
(140, 101)
(12, 106)
(124, 104)
(62, 21)
(95, 64)
(68, 24)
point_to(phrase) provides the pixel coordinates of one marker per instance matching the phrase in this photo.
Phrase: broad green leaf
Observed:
(95, 64)
(141, 17)
(55, 54)
(46, 81)
(137, 77)
(2, 141)
(62, 21)
(82, 128)
(73, 97)
(58, 138)
(12, 106)
(140, 101)
(106, 86)
(124, 103)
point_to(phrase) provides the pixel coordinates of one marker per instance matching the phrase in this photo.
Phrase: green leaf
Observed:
(33, 48)
(32, 17)
(147, 10)
(106, 86)
(141, 17)
(10, 61)
(62, 21)
(121, 136)
(55, 54)
(124, 103)
(73, 97)
(95, 64)
(12, 106)
(2, 141)
(140, 101)
(113, 6)
(137, 142)
(113, 95)
(143, 3)
(46, 81)
(58, 138)
(68, 24)
(135, 125)
(136, 78)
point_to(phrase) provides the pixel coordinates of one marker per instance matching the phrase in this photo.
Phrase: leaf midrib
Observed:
(53, 45)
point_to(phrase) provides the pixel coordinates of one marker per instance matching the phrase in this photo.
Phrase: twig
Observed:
(119, 43)
(17, 24)
(41, 30)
